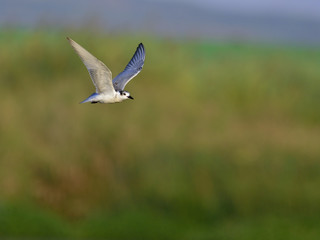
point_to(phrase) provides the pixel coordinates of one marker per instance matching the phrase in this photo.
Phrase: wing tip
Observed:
(141, 45)
(141, 49)
(70, 40)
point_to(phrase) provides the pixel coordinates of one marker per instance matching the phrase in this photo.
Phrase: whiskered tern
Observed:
(108, 90)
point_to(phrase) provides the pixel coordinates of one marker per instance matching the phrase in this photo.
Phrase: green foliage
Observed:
(26, 221)
(221, 141)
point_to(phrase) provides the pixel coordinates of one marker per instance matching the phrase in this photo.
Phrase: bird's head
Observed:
(125, 95)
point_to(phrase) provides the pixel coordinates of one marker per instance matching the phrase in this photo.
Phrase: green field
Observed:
(222, 141)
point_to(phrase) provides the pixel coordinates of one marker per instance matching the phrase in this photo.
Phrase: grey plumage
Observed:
(131, 70)
(100, 74)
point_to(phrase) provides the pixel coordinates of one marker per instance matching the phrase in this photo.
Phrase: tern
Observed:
(108, 90)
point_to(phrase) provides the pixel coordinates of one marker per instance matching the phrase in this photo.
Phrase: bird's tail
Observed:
(89, 99)
(84, 101)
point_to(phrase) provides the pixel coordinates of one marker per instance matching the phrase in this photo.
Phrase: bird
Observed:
(109, 90)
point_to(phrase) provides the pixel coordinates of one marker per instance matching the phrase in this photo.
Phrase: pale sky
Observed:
(295, 21)
(298, 8)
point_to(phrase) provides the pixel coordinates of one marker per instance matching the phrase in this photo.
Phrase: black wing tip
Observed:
(141, 45)
(141, 49)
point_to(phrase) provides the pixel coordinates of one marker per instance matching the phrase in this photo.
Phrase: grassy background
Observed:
(221, 141)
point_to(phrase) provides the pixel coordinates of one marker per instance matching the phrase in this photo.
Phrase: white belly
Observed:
(110, 99)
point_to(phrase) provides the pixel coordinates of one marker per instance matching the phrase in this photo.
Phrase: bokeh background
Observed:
(222, 140)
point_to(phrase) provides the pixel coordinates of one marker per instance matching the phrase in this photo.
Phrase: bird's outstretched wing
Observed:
(132, 69)
(100, 74)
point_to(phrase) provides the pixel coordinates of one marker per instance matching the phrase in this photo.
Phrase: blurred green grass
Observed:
(221, 141)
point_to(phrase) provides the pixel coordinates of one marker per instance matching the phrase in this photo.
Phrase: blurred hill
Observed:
(284, 22)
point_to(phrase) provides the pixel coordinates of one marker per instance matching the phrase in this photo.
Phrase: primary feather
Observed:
(131, 70)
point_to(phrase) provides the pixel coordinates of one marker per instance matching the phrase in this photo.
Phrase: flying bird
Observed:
(108, 90)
